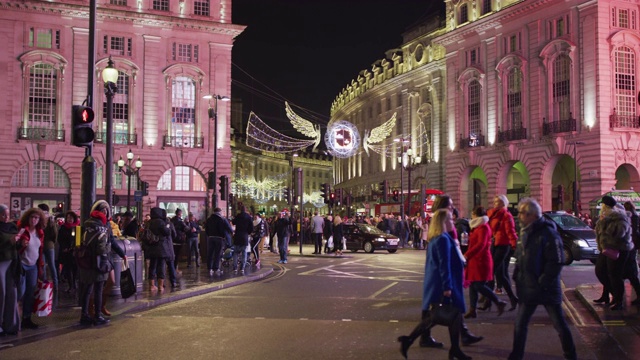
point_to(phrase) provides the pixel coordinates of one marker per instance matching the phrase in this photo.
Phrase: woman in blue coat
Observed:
(442, 279)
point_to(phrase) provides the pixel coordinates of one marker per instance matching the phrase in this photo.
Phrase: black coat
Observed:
(539, 260)
(218, 226)
(244, 228)
(159, 226)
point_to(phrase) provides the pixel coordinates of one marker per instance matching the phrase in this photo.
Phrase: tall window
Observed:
(625, 73)
(486, 6)
(42, 96)
(624, 18)
(118, 2)
(117, 45)
(183, 111)
(120, 110)
(464, 14)
(162, 5)
(514, 99)
(561, 88)
(201, 7)
(473, 110)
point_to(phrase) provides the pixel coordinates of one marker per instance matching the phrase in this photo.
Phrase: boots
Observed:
(425, 337)
(105, 293)
(467, 337)
(161, 285)
(472, 313)
(152, 285)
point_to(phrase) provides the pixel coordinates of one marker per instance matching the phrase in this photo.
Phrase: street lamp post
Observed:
(110, 79)
(129, 170)
(575, 175)
(410, 162)
(213, 114)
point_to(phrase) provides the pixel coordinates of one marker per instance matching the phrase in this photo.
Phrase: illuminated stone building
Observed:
(524, 98)
(169, 54)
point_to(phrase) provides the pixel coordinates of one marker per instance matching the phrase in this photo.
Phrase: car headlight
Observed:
(381, 239)
(581, 243)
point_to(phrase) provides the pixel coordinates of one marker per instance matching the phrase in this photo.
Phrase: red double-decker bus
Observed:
(411, 203)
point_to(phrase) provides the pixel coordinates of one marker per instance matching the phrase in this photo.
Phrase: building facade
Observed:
(536, 97)
(168, 53)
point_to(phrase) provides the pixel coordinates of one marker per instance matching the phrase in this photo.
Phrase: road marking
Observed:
(394, 321)
(260, 318)
(375, 294)
(378, 305)
(346, 319)
(614, 323)
(304, 318)
(6, 346)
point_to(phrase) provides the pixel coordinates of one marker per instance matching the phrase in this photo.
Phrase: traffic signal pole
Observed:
(88, 184)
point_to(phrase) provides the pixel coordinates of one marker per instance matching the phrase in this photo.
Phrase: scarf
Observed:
(100, 216)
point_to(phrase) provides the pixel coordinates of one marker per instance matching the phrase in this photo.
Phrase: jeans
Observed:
(214, 251)
(28, 283)
(525, 311)
(94, 288)
(50, 259)
(501, 257)
(239, 250)
(283, 248)
(482, 288)
(192, 244)
(156, 268)
(173, 274)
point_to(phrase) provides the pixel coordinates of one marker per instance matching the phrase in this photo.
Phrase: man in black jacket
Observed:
(539, 259)
(218, 232)
(181, 234)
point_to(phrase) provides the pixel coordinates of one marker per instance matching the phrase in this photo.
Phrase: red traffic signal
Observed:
(82, 130)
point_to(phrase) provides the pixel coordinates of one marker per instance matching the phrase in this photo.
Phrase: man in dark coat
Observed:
(283, 231)
(181, 235)
(539, 260)
(129, 224)
(244, 228)
(218, 231)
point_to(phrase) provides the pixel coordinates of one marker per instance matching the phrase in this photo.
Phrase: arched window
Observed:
(183, 112)
(625, 85)
(464, 14)
(40, 174)
(182, 178)
(561, 88)
(514, 99)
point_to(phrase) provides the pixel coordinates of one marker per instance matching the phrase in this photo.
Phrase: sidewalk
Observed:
(629, 316)
(193, 282)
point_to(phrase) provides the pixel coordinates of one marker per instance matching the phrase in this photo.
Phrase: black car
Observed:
(578, 238)
(369, 238)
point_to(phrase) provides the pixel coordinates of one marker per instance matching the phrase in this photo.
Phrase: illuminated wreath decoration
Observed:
(342, 139)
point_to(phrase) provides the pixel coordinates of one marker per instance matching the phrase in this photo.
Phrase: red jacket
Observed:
(478, 255)
(23, 242)
(503, 227)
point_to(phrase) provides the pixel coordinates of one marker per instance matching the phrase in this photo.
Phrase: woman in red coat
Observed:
(479, 268)
(505, 239)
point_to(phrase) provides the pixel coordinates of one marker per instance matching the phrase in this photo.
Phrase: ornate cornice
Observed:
(133, 17)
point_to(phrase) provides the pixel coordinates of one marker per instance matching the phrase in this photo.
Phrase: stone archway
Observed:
(514, 179)
(627, 177)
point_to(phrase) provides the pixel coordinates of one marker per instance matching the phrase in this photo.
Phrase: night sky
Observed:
(307, 51)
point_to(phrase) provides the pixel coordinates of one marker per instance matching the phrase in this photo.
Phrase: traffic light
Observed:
(224, 187)
(81, 118)
(384, 187)
(395, 195)
(287, 195)
(324, 192)
(338, 196)
(145, 188)
(60, 208)
(332, 198)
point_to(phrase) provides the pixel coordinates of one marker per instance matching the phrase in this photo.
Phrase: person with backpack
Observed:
(94, 248)
(158, 247)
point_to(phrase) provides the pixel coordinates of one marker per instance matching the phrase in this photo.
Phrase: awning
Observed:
(621, 197)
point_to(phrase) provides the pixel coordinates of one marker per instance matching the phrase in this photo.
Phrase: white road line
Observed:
(382, 290)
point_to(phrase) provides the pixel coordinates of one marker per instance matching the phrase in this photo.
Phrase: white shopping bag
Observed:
(43, 299)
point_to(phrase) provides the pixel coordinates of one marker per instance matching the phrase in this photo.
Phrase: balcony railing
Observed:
(511, 135)
(559, 126)
(471, 141)
(38, 133)
(624, 121)
(184, 141)
(119, 138)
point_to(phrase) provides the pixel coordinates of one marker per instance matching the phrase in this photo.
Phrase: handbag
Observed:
(127, 283)
(445, 314)
(43, 299)
(330, 242)
(612, 254)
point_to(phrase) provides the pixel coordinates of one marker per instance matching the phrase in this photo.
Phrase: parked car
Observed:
(369, 238)
(578, 238)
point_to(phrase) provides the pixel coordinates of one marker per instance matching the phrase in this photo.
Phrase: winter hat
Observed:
(100, 205)
(504, 199)
(609, 201)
